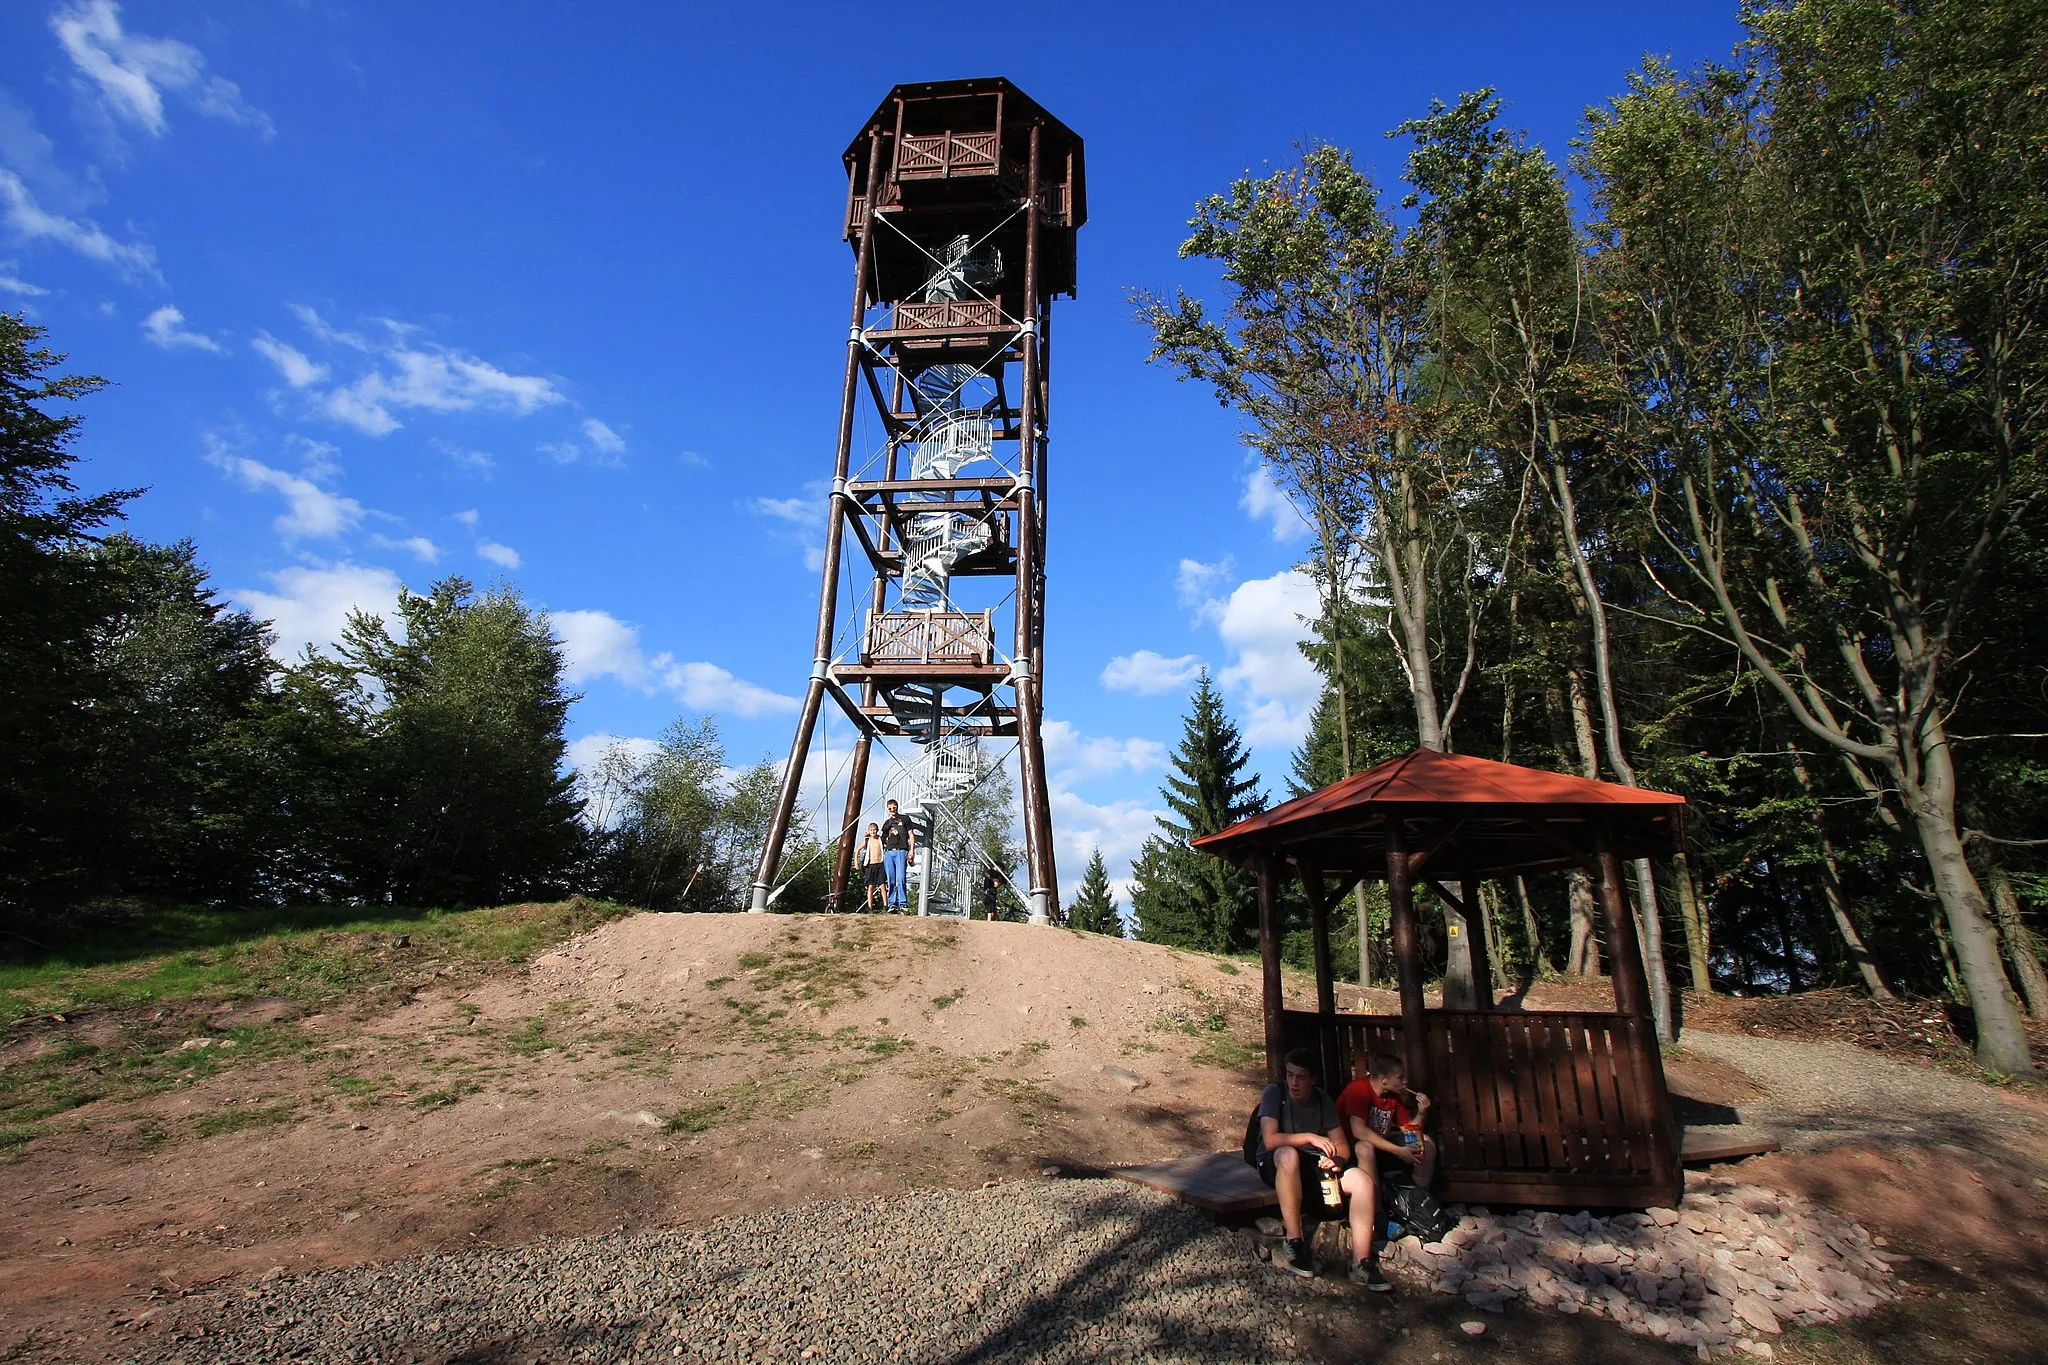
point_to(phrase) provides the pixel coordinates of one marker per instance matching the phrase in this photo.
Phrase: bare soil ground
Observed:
(660, 1071)
(664, 1070)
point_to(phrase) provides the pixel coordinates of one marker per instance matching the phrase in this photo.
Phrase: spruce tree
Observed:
(1182, 897)
(1094, 909)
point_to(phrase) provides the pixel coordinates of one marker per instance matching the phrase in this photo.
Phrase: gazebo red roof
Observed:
(1479, 818)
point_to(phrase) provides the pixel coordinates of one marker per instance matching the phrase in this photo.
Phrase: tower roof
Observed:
(1013, 98)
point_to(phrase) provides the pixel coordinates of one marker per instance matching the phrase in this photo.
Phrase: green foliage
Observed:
(1179, 896)
(1094, 908)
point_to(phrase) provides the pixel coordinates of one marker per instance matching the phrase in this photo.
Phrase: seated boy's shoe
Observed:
(1367, 1273)
(1293, 1255)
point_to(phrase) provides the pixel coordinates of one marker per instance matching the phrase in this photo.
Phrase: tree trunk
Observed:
(1583, 958)
(2019, 940)
(1539, 961)
(1652, 922)
(2001, 1040)
(1697, 944)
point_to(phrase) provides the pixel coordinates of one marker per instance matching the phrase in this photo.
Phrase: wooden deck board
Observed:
(1722, 1142)
(1220, 1182)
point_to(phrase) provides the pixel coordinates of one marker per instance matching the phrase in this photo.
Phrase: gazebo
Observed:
(1551, 1107)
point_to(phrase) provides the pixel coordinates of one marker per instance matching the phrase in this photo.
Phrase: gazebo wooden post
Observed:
(1407, 959)
(1482, 953)
(1624, 951)
(1326, 985)
(1270, 869)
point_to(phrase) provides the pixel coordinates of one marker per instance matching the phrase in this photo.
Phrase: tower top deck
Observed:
(955, 156)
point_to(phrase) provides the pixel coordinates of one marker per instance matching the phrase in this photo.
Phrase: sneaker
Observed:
(1367, 1273)
(1294, 1256)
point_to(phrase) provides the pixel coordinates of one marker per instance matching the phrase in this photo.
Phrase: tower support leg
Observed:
(849, 822)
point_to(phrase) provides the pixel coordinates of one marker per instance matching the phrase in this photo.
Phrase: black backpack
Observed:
(1415, 1209)
(1254, 1140)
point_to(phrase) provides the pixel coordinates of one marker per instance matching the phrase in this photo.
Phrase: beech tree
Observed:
(1826, 292)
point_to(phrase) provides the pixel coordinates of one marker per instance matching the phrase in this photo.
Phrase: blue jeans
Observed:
(896, 871)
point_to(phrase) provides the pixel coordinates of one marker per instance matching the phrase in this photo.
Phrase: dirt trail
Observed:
(660, 1071)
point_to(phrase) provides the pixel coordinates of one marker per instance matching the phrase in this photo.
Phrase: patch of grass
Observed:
(1038, 1046)
(1227, 968)
(753, 962)
(531, 1039)
(15, 1136)
(446, 1095)
(1077, 1022)
(940, 1002)
(1227, 1052)
(715, 982)
(235, 1117)
(938, 1116)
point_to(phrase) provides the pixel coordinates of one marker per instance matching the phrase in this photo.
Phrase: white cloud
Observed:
(408, 374)
(1264, 622)
(13, 284)
(1264, 501)
(29, 222)
(298, 370)
(131, 72)
(1118, 828)
(468, 517)
(602, 437)
(561, 452)
(596, 644)
(435, 380)
(476, 461)
(1075, 757)
(1196, 582)
(309, 606)
(163, 328)
(311, 512)
(504, 556)
(711, 688)
(803, 522)
(419, 547)
(1147, 673)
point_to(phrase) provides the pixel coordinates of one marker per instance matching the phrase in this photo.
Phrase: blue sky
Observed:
(555, 295)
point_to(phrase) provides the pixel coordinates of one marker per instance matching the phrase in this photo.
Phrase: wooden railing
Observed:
(947, 315)
(946, 155)
(921, 637)
(1532, 1106)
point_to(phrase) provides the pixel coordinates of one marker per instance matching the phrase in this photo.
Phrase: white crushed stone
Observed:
(1729, 1267)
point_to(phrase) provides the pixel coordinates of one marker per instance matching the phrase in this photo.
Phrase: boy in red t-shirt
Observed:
(1385, 1133)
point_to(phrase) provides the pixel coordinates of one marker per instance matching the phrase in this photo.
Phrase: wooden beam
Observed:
(1269, 961)
(1326, 985)
(1407, 960)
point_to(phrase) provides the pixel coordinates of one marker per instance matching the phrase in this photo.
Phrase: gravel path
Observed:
(1063, 1270)
(1823, 1094)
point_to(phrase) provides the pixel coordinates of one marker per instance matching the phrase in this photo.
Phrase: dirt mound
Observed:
(660, 1070)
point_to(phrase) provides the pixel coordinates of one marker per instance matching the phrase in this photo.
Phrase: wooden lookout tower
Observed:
(1536, 1106)
(962, 203)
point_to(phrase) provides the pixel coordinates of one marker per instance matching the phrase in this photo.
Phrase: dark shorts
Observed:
(1311, 1178)
(874, 875)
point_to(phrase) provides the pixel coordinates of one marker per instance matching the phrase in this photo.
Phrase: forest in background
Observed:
(1707, 459)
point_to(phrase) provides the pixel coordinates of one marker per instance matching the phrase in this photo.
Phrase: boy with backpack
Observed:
(1295, 1138)
(1388, 1137)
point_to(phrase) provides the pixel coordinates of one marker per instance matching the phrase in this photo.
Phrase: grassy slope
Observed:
(127, 1000)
